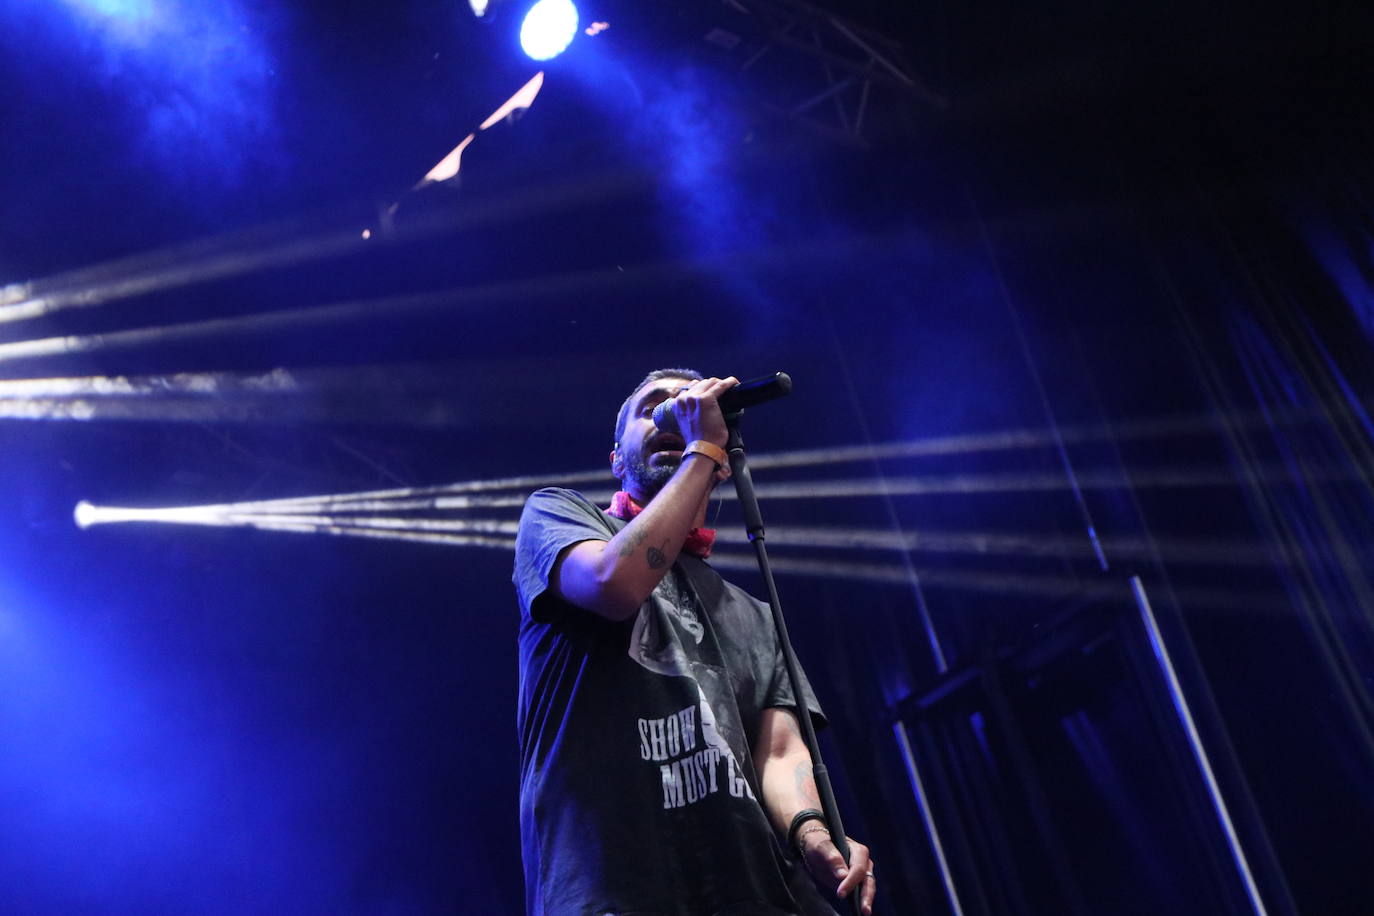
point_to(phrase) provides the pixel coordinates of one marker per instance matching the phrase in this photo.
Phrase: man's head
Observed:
(644, 458)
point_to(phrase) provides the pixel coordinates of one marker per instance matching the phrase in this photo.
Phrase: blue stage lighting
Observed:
(548, 29)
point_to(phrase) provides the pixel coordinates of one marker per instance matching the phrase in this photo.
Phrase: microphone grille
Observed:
(663, 417)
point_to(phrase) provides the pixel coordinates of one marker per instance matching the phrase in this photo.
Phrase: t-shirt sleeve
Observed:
(752, 646)
(779, 691)
(552, 520)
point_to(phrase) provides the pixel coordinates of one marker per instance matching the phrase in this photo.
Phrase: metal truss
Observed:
(820, 69)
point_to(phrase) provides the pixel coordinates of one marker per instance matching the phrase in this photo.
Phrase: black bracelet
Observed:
(808, 814)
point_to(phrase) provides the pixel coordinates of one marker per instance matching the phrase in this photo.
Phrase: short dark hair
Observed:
(658, 374)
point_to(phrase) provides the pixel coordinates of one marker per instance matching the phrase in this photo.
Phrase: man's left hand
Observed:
(827, 867)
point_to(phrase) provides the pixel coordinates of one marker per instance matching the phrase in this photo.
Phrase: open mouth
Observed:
(668, 447)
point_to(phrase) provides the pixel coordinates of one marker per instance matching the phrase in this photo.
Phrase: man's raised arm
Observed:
(613, 578)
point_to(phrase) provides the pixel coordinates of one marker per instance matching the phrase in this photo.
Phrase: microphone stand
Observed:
(753, 525)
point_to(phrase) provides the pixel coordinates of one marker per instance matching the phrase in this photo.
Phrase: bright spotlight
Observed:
(86, 514)
(548, 29)
(479, 7)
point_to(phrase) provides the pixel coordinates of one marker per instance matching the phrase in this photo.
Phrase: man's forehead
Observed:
(666, 387)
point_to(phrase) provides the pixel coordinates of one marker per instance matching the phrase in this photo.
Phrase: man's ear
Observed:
(617, 465)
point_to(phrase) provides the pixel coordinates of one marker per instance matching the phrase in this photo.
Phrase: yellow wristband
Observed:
(705, 449)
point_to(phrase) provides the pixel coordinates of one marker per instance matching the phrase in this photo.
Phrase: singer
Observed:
(662, 768)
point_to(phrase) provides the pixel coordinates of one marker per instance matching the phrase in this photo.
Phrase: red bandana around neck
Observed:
(699, 540)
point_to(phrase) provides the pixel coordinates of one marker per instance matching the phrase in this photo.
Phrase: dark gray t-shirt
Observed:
(638, 795)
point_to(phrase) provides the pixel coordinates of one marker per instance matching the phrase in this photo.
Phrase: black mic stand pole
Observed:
(753, 525)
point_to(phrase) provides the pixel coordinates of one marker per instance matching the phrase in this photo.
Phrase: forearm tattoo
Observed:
(632, 541)
(656, 558)
(806, 786)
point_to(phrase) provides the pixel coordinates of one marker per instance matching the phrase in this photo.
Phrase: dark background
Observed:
(1106, 273)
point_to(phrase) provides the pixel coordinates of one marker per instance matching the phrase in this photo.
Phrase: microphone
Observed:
(755, 391)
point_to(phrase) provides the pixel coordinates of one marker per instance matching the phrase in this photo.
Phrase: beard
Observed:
(649, 479)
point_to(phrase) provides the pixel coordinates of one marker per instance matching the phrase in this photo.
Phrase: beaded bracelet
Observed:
(812, 829)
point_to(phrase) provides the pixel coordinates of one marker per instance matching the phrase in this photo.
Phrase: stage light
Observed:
(548, 28)
(479, 7)
(85, 514)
